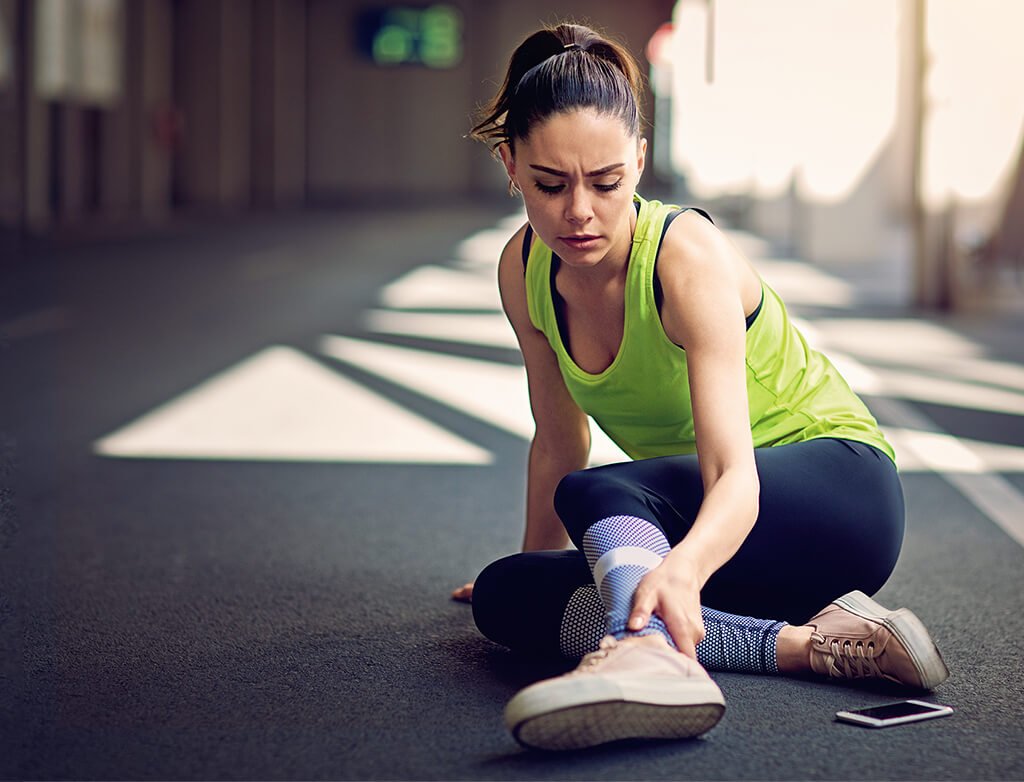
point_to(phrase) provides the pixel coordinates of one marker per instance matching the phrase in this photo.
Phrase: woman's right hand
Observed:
(464, 594)
(673, 593)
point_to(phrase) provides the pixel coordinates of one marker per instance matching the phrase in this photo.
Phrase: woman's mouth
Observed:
(581, 242)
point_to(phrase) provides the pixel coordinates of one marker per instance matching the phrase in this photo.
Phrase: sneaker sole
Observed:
(553, 717)
(908, 630)
(580, 727)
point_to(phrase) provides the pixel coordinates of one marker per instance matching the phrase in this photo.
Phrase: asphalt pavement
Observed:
(243, 462)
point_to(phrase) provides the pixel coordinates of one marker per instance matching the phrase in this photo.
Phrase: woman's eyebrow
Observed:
(598, 172)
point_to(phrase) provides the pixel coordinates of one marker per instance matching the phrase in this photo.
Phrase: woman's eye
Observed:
(550, 189)
(604, 188)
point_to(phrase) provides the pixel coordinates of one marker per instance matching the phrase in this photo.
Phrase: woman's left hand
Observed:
(673, 593)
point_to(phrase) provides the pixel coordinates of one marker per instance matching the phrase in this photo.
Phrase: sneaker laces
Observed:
(852, 659)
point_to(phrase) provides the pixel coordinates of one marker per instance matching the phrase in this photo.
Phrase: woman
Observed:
(760, 484)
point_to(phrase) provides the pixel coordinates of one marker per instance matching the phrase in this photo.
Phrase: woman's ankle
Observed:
(793, 649)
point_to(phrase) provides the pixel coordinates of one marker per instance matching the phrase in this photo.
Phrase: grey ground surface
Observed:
(227, 619)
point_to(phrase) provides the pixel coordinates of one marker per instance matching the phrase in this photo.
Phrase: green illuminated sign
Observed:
(405, 35)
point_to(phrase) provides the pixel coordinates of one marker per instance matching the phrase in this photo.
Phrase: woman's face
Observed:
(577, 172)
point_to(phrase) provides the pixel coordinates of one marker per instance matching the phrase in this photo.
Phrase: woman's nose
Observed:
(578, 209)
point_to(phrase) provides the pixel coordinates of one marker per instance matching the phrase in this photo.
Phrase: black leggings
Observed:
(830, 521)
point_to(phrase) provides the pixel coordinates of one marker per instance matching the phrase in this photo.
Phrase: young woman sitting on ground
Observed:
(760, 485)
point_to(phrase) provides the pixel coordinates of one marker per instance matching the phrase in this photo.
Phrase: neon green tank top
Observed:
(642, 400)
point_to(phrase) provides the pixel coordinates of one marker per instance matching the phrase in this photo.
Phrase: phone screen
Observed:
(893, 710)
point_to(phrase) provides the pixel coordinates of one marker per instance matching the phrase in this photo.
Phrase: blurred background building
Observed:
(848, 131)
(112, 108)
(858, 131)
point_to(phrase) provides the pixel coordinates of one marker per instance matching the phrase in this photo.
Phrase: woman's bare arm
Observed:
(561, 440)
(707, 285)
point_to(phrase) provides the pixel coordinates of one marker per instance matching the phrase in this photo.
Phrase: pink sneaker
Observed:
(856, 638)
(622, 691)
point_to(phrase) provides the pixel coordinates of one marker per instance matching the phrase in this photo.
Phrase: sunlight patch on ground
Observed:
(483, 248)
(862, 379)
(283, 405)
(958, 462)
(995, 373)
(439, 287)
(934, 365)
(930, 450)
(490, 392)
(798, 283)
(280, 405)
(486, 329)
(953, 393)
(896, 340)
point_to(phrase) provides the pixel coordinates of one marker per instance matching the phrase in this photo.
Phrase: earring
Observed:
(513, 188)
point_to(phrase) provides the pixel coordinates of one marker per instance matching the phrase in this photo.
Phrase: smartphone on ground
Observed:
(894, 713)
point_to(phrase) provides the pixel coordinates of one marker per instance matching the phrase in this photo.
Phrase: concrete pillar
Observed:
(11, 120)
(235, 102)
(119, 137)
(290, 113)
(264, 100)
(279, 102)
(37, 171)
(213, 77)
(197, 85)
(158, 120)
(38, 213)
(71, 163)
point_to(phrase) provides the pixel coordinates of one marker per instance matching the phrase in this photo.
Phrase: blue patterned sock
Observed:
(621, 550)
(736, 644)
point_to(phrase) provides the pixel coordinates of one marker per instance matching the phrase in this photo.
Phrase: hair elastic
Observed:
(570, 47)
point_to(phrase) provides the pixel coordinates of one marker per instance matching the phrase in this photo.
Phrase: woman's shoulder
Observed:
(691, 241)
(516, 249)
(512, 286)
(512, 271)
(698, 265)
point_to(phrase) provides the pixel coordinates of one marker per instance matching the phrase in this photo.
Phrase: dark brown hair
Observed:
(558, 69)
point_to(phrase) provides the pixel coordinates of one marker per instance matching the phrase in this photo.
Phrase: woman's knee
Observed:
(870, 537)
(492, 590)
(518, 601)
(585, 496)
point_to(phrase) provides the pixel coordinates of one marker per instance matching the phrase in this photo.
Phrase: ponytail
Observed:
(556, 70)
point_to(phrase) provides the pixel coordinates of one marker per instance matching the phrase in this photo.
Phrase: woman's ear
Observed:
(641, 157)
(509, 161)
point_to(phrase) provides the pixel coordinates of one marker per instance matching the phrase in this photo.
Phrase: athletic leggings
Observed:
(830, 520)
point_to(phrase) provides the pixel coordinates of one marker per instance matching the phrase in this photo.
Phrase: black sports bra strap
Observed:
(701, 212)
(664, 229)
(675, 213)
(527, 241)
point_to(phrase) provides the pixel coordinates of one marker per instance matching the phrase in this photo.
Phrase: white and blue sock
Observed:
(732, 643)
(621, 550)
(738, 644)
